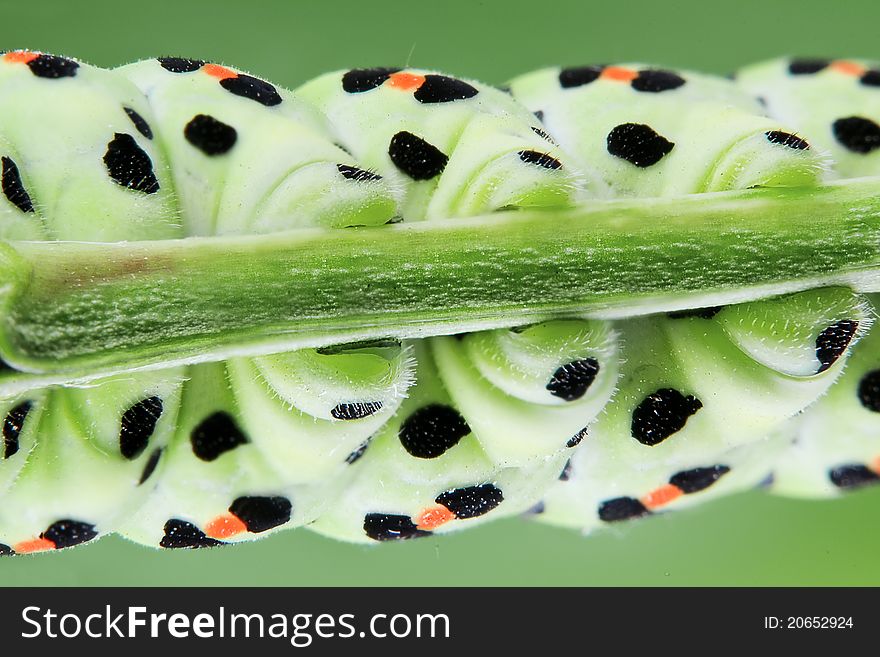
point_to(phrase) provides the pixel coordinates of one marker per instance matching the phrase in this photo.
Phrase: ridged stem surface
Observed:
(71, 310)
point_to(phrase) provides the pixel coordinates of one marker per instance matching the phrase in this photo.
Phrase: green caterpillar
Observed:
(822, 451)
(399, 439)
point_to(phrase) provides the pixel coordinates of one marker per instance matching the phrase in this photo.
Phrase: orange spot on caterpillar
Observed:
(848, 68)
(20, 56)
(661, 496)
(219, 72)
(875, 465)
(225, 526)
(618, 74)
(405, 81)
(35, 545)
(433, 517)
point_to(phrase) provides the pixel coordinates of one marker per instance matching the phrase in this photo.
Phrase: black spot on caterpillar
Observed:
(857, 134)
(432, 430)
(12, 426)
(52, 66)
(215, 435)
(697, 479)
(252, 88)
(67, 533)
(443, 89)
(150, 465)
(833, 341)
(621, 508)
(657, 80)
(572, 380)
(540, 159)
(180, 64)
(260, 514)
(638, 144)
(180, 534)
(390, 527)
(853, 476)
(364, 79)
(661, 414)
(472, 501)
(579, 76)
(129, 165)
(807, 66)
(869, 391)
(139, 122)
(138, 424)
(787, 139)
(355, 411)
(354, 173)
(209, 135)
(416, 157)
(13, 189)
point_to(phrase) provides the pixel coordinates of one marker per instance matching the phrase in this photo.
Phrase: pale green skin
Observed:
(68, 425)
(752, 366)
(284, 402)
(716, 128)
(482, 137)
(838, 430)
(812, 102)
(743, 401)
(497, 380)
(387, 479)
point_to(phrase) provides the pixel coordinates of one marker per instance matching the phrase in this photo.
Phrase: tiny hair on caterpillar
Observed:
(573, 419)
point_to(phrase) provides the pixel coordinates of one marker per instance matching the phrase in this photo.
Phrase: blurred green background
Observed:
(746, 540)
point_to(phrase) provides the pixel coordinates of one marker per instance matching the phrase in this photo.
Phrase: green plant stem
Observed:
(77, 309)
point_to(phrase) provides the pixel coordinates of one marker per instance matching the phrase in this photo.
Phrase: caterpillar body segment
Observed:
(642, 131)
(835, 102)
(249, 157)
(428, 471)
(452, 147)
(80, 461)
(77, 167)
(212, 470)
(593, 495)
(691, 397)
(518, 420)
(833, 447)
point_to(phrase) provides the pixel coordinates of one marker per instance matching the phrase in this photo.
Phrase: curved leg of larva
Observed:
(835, 445)
(106, 180)
(309, 411)
(833, 102)
(528, 392)
(502, 162)
(252, 158)
(451, 147)
(426, 472)
(695, 388)
(772, 357)
(213, 485)
(93, 460)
